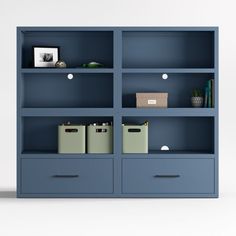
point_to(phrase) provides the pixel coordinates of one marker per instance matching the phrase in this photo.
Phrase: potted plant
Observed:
(197, 98)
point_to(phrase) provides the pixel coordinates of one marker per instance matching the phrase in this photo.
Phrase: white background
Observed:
(118, 216)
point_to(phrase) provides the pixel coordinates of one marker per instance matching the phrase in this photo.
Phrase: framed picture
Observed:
(45, 56)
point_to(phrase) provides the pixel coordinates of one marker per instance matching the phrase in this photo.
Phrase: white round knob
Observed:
(70, 76)
(165, 148)
(164, 76)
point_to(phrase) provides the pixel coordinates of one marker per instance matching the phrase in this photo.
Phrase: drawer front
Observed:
(168, 176)
(66, 176)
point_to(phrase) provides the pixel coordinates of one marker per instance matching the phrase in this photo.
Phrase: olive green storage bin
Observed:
(135, 138)
(71, 138)
(99, 139)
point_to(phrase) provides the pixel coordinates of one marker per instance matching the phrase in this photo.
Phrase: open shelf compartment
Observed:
(76, 47)
(183, 135)
(168, 49)
(178, 86)
(57, 91)
(40, 134)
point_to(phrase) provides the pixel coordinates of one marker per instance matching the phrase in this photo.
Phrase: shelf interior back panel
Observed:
(76, 48)
(56, 90)
(180, 134)
(40, 134)
(178, 86)
(168, 49)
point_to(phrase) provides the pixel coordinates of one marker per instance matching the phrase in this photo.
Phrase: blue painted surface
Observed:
(68, 94)
(168, 176)
(135, 58)
(178, 86)
(153, 49)
(66, 175)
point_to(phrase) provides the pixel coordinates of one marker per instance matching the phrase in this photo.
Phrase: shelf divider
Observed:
(67, 112)
(187, 155)
(168, 112)
(66, 70)
(168, 70)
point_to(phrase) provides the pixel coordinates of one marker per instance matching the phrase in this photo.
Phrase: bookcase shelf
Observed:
(178, 86)
(180, 134)
(66, 70)
(168, 70)
(40, 133)
(195, 112)
(134, 59)
(152, 49)
(76, 47)
(67, 112)
(171, 154)
(57, 91)
(54, 154)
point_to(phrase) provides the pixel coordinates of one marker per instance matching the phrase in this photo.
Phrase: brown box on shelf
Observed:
(159, 100)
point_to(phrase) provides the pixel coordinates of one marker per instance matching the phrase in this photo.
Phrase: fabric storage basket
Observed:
(99, 139)
(151, 100)
(71, 138)
(135, 138)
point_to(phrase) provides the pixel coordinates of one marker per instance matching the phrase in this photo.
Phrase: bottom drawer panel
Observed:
(168, 176)
(66, 176)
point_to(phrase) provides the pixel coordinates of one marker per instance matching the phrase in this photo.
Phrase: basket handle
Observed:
(71, 130)
(101, 130)
(134, 130)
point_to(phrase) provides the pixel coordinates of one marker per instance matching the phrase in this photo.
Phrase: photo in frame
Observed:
(45, 56)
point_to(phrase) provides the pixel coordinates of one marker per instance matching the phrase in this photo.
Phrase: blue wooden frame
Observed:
(117, 112)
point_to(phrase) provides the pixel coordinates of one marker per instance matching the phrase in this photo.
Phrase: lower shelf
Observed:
(55, 155)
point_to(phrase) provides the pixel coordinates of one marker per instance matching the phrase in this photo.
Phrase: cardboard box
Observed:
(159, 100)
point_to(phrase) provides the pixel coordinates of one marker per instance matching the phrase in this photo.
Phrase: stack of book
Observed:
(209, 94)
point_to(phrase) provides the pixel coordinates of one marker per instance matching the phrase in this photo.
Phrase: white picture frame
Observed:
(45, 56)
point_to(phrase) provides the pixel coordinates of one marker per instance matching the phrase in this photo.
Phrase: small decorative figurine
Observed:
(92, 64)
(60, 64)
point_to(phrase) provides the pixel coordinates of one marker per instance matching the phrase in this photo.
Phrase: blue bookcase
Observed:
(134, 60)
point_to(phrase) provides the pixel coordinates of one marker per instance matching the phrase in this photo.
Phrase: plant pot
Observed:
(197, 101)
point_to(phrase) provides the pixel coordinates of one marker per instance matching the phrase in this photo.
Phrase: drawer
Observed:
(168, 176)
(66, 175)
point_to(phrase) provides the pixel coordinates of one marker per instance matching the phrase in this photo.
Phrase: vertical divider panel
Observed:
(117, 103)
(19, 105)
(216, 119)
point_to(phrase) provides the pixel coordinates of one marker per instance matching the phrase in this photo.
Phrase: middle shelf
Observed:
(183, 135)
(84, 90)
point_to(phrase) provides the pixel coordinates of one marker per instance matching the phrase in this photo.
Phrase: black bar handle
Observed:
(65, 176)
(166, 176)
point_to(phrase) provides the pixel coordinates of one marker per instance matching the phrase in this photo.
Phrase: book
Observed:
(212, 93)
(209, 93)
(206, 97)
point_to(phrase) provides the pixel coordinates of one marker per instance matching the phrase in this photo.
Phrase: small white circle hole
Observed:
(70, 76)
(164, 76)
(165, 148)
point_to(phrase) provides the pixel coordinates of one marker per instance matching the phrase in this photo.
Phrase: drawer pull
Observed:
(166, 176)
(65, 176)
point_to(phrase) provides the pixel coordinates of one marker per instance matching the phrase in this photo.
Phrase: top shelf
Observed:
(168, 49)
(154, 49)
